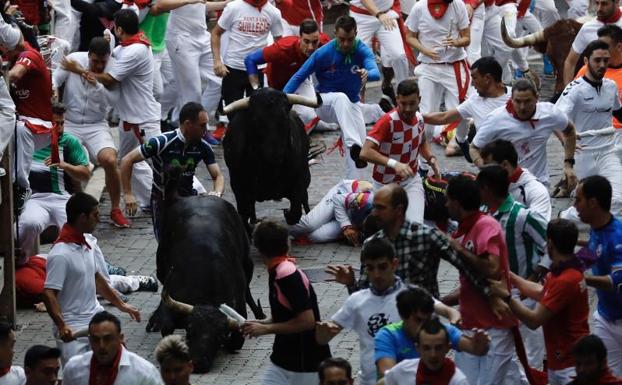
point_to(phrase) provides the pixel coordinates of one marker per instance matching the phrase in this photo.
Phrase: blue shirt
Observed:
(392, 342)
(171, 150)
(606, 243)
(335, 71)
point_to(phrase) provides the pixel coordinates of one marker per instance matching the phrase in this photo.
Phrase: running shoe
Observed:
(118, 219)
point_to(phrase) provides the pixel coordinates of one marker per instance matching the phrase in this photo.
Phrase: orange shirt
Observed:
(614, 74)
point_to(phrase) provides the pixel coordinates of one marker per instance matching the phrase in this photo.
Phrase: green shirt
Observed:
(155, 29)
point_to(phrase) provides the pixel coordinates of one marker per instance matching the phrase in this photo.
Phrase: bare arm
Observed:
(50, 298)
(570, 146)
(569, 66)
(303, 321)
(78, 172)
(526, 287)
(370, 153)
(211, 6)
(532, 318)
(602, 282)
(169, 5)
(412, 38)
(444, 117)
(217, 177)
(326, 331)
(219, 67)
(16, 73)
(103, 289)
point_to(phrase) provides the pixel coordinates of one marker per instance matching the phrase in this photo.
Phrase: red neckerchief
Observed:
(109, 372)
(435, 377)
(437, 8)
(467, 223)
(510, 108)
(275, 261)
(614, 18)
(257, 3)
(69, 234)
(139, 38)
(609, 378)
(5, 371)
(516, 175)
(54, 137)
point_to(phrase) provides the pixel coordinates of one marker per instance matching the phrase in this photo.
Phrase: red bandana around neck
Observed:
(509, 106)
(259, 4)
(109, 372)
(614, 18)
(467, 223)
(437, 8)
(516, 175)
(5, 371)
(435, 377)
(139, 38)
(275, 261)
(68, 234)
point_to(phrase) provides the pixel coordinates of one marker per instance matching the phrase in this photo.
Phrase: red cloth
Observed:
(5, 371)
(499, 3)
(473, 3)
(55, 155)
(30, 278)
(608, 378)
(31, 9)
(33, 92)
(68, 234)
(296, 11)
(510, 108)
(437, 8)
(488, 3)
(614, 18)
(404, 32)
(442, 376)
(516, 175)
(138, 38)
(466, 224)
(257, 3)
(534, 376)
(109, 372)
(523, 6)
(565, 295)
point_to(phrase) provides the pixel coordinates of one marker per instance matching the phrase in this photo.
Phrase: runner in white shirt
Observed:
(367, 311)
(9, 374)
(486, 78)
(109, 359)
(528, 124)
(248, 22)
(589, 102)
(607, 12)
(76, 273)
(190, 49)
(9, 37)
(440, 31)
(434, 367)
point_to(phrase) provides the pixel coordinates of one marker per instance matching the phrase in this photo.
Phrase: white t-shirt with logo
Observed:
(248, 29)
(589, 33)
(590, 108)
(15, 376)
(432, 32)
(478, 108)
(529, 142)
(71, 270)
(405, 372)
(366, 314)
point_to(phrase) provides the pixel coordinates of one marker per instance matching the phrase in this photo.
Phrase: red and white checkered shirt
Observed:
(397, 140)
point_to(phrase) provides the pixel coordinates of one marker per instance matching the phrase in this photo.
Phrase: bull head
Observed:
(524, 41)
(244, 103)
(208, 328)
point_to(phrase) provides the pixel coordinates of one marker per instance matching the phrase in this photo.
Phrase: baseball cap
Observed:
(37, 353)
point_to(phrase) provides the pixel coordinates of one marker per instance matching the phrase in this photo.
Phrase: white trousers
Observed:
(142, 175)
(164, 85)
(532, 339)
(371, 112)
(492, 43)
(416, 197)
(611, 334)
(524, 25)
(392, 47)
(94, 136)
(546, 12)
(40, 211)
(27, 144)
(124, 284)
(474, 50)
(496, 365)
(307, 90)
(278, 376)
(193, 66)
(7, 117)
(73, 348)
(319, 225)
(65, 26)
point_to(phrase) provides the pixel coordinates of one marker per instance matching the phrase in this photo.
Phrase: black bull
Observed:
(266, 150)
(203, 260)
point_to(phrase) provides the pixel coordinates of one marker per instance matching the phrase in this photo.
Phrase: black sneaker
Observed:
(147, 283)
(355, 152)
(464, 146)
(21, 195)
(386, 104)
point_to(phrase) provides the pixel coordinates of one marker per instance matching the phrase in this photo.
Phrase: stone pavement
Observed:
(135, 249)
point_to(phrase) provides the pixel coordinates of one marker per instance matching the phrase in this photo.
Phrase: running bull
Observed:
(203, 260)
(266, 151)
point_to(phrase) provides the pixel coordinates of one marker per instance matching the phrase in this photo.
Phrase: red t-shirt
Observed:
(33, 92)
(296, 11)
(564, 295)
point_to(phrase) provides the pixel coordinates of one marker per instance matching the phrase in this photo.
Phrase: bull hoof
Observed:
(153, 325)
(291, 218)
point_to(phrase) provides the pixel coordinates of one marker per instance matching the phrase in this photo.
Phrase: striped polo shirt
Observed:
(525, 235)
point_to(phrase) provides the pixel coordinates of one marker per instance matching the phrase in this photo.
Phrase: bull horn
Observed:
(297, 99)
(519, 42)
(176, 306)
(241, 104)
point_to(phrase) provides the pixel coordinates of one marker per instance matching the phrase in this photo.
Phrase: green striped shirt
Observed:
(525, 236)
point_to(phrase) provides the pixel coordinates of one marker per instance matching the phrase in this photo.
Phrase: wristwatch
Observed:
(380, 13)
(569, 160)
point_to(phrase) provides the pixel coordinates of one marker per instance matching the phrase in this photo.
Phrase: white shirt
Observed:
(189, 19)
(405, 372)
(9, 37)
(248, 30)
(15, 376)
(533, 194)
(133, 69)
(366, 314)
(382, 5)
(133, 370)
(432, 32)
(589, 33)
(529, 142)
(590, 107)
(85, 103)
(478, 108)
(71, 270)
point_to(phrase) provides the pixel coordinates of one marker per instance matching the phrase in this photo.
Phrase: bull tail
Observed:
(255, 307)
